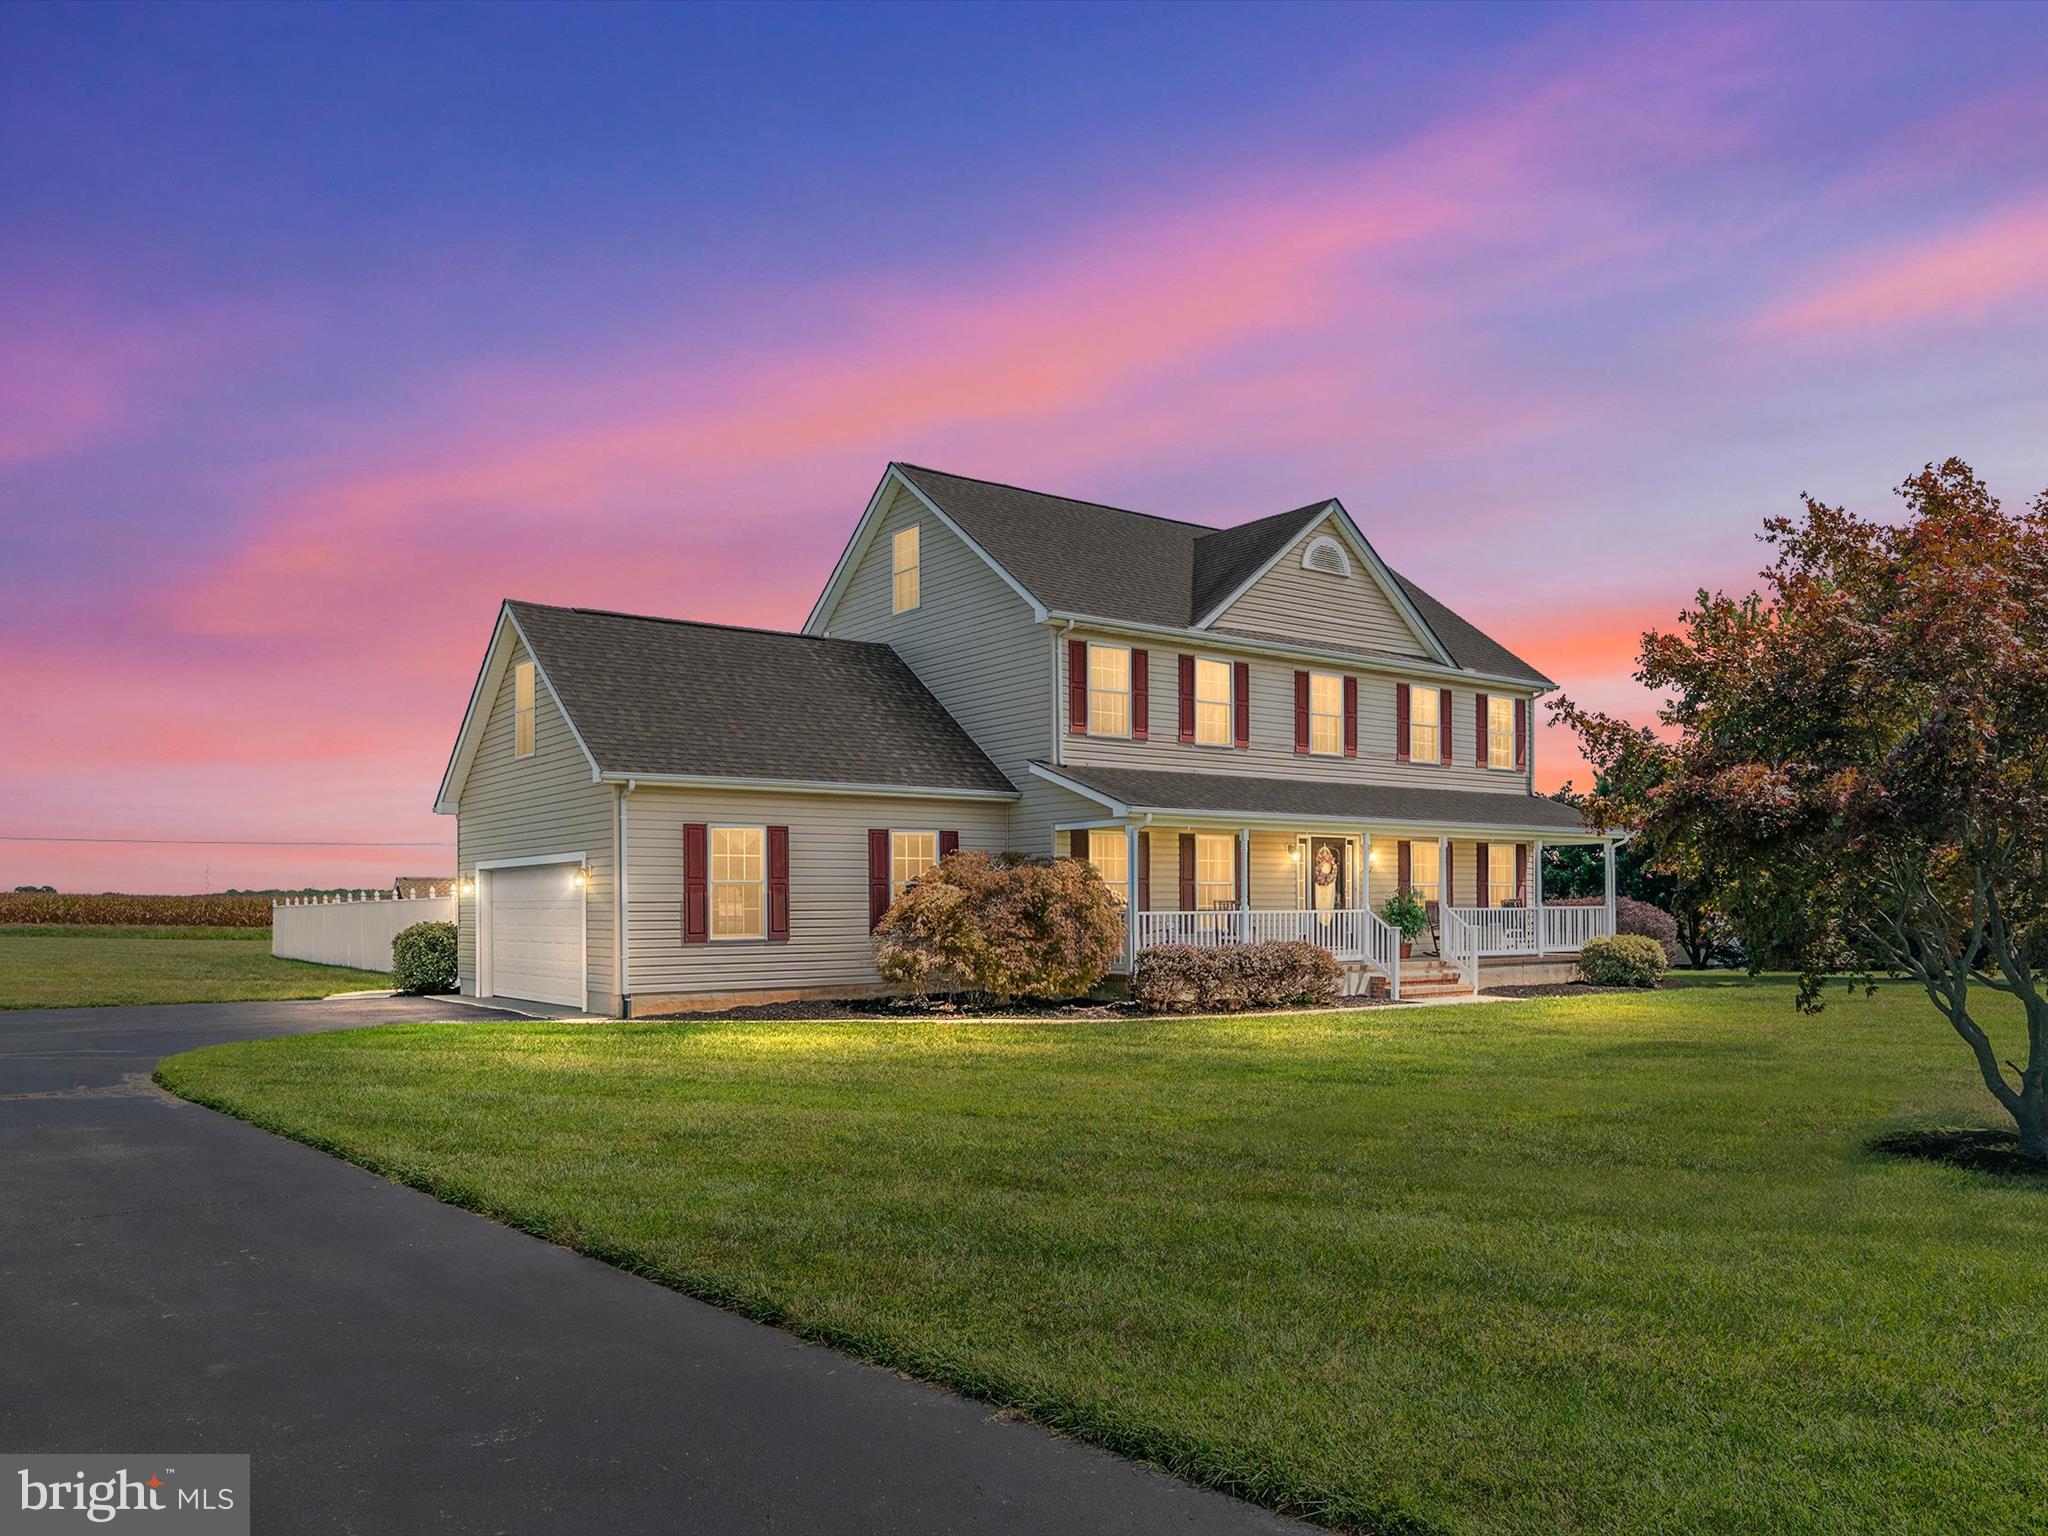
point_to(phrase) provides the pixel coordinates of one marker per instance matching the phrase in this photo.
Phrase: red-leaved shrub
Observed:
(1001, 926)
(1282, 973)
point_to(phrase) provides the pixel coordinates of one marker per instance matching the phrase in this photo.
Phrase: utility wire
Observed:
(210, 842)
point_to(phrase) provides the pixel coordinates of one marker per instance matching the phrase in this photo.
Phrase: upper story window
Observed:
(522, 710)
(1212, 703)
(1500, 875)
(1326, 714)
(1110, 853)
(1424, 726)
(739, 905)
(1500, 733)
(910, 855)
(1215, 871)
(904, 566)
(1109, 690)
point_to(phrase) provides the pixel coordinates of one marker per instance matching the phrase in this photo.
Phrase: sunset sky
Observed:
(323, 329)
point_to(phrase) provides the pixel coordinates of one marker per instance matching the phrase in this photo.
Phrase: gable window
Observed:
(739, 905)
(904, 565)
(1423, 725)
(1212, 703)
(1326, 554)
(522, 710)
(1326, 714)
(1111, 856)
(1109, 690)
(1215, 871)
(1423, 870)
(1500, 874)
(910, 855)
(1500, 733)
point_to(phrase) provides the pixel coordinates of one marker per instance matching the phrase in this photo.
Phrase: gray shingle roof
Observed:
(1228, 794)
(1084, 557)
(664, 696)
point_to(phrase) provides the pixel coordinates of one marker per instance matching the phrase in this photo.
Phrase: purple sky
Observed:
(321, 330)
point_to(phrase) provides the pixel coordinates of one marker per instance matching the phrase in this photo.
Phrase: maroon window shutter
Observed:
(878, 874)
(1301, 714)
(1484, 866)
(1187, 871)
(949, 843)
(1144, 871)
(1443, 715)
(1077, 687)
(1241, 696)
(696, 883)
(1401, 722)
(1479, 728)
(1404, 872)
(1141, 694)
(1077, 843)
(1521, 733)
(778, 883)
(1187, 698)
(1351, 717)
(1522, 874)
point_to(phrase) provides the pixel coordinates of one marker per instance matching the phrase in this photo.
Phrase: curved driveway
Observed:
(174, 1280)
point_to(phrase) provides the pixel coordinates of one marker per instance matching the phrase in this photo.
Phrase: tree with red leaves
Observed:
(1855, 761)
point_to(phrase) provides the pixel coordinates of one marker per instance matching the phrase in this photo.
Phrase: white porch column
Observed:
(1244, 885)
(1536, 889)
(1131, 892)
(1443, 871)
(1608, 845)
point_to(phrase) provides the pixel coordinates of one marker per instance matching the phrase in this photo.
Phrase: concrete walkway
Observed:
(174, 1280)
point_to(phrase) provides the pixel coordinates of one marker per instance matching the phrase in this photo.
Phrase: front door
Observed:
(1326, 874)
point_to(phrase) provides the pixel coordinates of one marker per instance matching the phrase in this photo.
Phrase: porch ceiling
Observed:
(1123, 791)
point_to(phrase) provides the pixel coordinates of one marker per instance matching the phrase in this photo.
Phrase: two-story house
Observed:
(1257, 731)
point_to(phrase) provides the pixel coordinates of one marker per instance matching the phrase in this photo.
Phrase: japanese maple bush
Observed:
(1855, 760)
(1002, 926)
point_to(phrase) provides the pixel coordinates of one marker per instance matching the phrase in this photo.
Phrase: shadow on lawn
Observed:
(1980, 1149)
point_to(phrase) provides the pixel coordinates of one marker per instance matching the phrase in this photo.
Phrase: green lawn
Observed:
(79, 967)
(1592, 1264)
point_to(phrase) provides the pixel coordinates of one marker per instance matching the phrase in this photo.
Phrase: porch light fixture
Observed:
(581, 878)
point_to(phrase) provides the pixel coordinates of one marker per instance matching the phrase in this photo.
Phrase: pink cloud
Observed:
(1963, 275)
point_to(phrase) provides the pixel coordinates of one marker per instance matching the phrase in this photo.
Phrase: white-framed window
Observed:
(1215, 871)
(1326, 714)
(910, 855)
(904, 565)
(1424, 870)
(739, 887)
(1425, 740)
(1212, 703)
(522, 710)
(1109, 689)
(1500, 874)
(1110, 853)
(1500, 733)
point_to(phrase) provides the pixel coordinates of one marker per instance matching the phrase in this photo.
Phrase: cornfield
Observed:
(179, 911)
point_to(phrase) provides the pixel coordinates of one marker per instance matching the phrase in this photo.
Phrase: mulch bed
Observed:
(938, 1010)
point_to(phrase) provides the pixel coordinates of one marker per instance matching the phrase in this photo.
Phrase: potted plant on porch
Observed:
(1404, 914)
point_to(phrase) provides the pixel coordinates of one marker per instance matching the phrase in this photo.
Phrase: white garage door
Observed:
(536, 918)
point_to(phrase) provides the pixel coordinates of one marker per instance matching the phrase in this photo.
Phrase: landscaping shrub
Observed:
(423, 958)
(1002, 926)
(1283, 973)
(1622, 960)
(1652, 922)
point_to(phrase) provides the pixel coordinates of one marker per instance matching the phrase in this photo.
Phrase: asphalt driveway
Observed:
(174, 1280)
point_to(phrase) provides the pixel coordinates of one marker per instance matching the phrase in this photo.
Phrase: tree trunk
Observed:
(2032, 1116)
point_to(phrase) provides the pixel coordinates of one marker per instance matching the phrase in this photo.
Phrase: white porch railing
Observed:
(1513, 930)
(1346, 932)
(1458, 943)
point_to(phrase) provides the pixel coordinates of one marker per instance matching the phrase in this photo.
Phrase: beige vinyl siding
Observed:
(520, 807)
(1276, 878)
(828, 885)
(1322, 608)
(1464, 892)
(971, 639)
(1271, 753)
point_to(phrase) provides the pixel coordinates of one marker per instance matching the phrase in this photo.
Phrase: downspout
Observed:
(620, 908)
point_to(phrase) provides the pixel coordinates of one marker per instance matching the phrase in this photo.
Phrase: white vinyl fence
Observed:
(352, 930)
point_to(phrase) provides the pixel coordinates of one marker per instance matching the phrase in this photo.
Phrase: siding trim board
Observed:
(507, 638)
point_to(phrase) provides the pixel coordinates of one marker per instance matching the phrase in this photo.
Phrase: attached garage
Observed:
(533, 932)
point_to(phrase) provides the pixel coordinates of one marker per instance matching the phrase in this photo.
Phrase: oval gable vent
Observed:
(1326, 554)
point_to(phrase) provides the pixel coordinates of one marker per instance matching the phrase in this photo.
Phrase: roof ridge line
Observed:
(1202, 530)
(657, 618)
